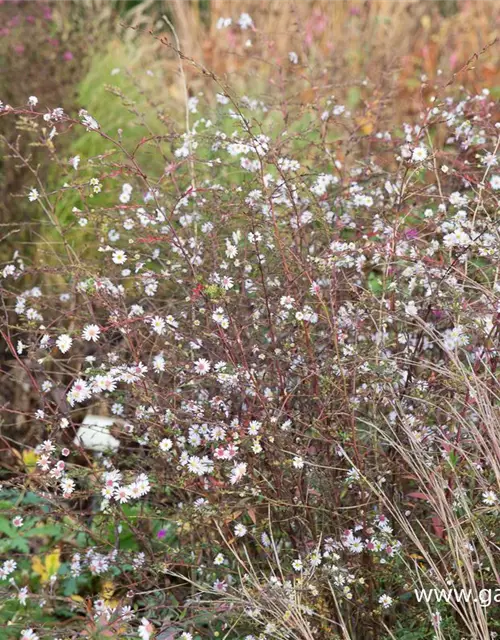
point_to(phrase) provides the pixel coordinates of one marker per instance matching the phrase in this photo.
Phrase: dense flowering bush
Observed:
(267, 399)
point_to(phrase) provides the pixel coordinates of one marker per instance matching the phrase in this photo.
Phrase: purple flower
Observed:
(161, 534)
(438, 313)
(67, 55)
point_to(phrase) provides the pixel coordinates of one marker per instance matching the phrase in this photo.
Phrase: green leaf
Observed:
(353, 97)
(17, 544)
(375, 283)
(7, 529)
(51, 530)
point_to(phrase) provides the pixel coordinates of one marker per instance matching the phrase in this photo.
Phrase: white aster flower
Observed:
(245, 21)
(119, 256)
(91, 332)
(240, 530)
(33, 195)
(419, 154)
(64, 343)
(385, 601)
(202, 366)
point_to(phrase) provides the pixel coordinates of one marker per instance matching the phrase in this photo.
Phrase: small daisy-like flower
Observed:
(220, 585)
(245, 21)
(238, 472)
(74, 162)
(219, 559)
(490, 498)
(88, 121)
(293, 57)
(202, 366)
(166, 444)
(68, 486)
(158, 325)
(222, 23)
(64, 343)
(385, 601)
(33, 195)
(419, 154)
(495, 182)
(227, 283)
(356, 546)
(134, 490)
(240, 530)
(28, 634)
(91, 332)
(8, 567)
(126, 193)
(254, 427)
(119, 256)
(122, 494)
(159, 363)
(17, 521)
(32, 101)
(315, 289)
(146, 629)
(231, 250)
(23, 595)
(265, 539)
(297, 565)
(107, 492)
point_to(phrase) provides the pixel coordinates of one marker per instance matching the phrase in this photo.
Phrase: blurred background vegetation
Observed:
(72, 54)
